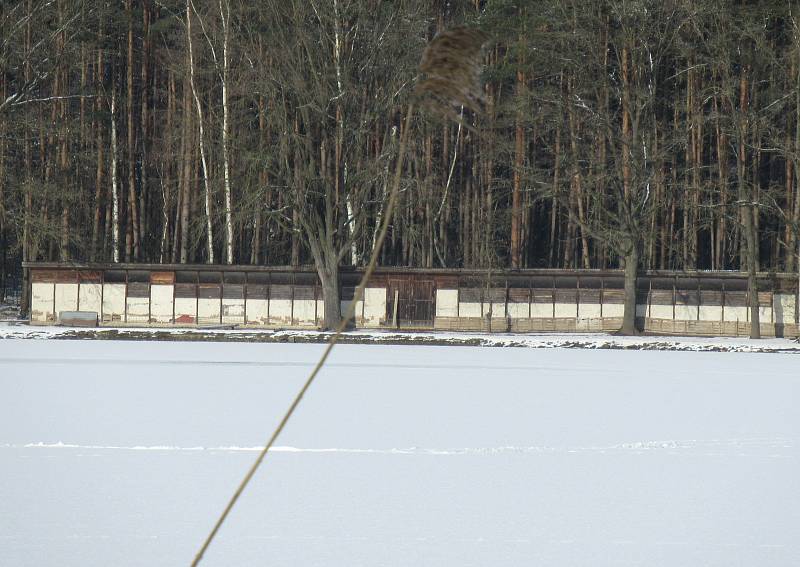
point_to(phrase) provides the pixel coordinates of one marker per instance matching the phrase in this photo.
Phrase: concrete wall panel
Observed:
(736, 314)
(42, 295)
(498, 309)
(257, 311)
(518, 310)
(305, 312)
(375, 306)
(208, 311)
(542, 310)
(138, 310)
(588, 310)
(162, 298)
(686, 312)
(66, 297)
(614, 310)
(186, 310)
(566, 310)
(446, 302)
(233, 311)
(711, 313)
(660, 311)
(90, 297)
(469, 309)
(113, 303)
(280, 312)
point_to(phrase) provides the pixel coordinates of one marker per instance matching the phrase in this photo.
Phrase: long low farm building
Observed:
(694, 303)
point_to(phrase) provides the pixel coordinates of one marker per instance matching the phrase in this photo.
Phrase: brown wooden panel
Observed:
(613, 296)
(566, 295)
(542, 296)
(186, 290)
(304, 292)
(67, 276)
(257, 291)
(415, 300)
(138, 289)
(736, 298)
(377, 280)
(708, 297)
(519, 295)
(686, 297)
(590, 296)
(446, 282)
(90, 276)
(208, 291)
(162, 278)
(233, 291)
(660, 297)
(54, 276)
(44, 276)
(495, 294)
(470, 295)
(280, 292)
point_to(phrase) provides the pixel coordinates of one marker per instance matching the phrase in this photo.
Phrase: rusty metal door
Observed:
(415, 301)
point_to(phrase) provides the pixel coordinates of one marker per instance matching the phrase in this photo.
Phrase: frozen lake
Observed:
(124, 453)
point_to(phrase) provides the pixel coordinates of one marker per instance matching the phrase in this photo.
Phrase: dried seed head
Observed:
(451, 67)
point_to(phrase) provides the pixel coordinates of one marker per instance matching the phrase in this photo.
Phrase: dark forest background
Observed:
(660, 133)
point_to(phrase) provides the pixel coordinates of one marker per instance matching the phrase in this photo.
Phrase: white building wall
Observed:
(257, 311)
(661, 311)
(233, 311)
(375, 306)
(113, 303)
(138, 310)
(469, 309)
(736, 314)
(208, 311)
(685, 312)
(305, 312)
(498, 309)
(589, 310)
(566, 310)
(66, 297)
(711, 313)
(614, 310)
(162, 298)
(186, 310)
(518, 310)
(280, 311)
(91, 297)
(541, 310)
(446, 302)
(42, 296)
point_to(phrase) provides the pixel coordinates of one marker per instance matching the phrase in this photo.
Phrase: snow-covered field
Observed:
(124, 453)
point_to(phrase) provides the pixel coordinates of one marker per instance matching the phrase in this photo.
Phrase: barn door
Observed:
(415, 301)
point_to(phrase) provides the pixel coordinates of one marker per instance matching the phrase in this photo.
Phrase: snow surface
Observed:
(124, 453)
(528, 340)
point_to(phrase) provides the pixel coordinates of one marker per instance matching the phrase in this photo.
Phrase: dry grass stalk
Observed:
(452, 64)
(451, 67)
